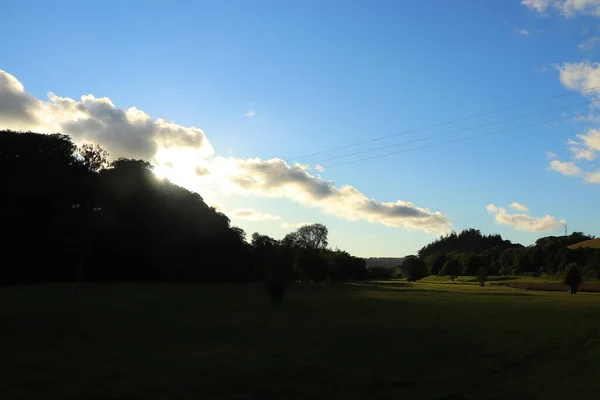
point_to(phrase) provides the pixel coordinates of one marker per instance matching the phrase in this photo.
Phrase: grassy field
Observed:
(594, 243)
(393, 340)
(543, 283)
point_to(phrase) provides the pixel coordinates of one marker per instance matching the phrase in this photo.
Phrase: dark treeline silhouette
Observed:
(67, 213)
(471, 253)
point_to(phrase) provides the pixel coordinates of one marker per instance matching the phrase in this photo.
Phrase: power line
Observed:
(289, 160)
(455, 141)
(442, 124)
(442, 134)
(281, 176)
(286, 166)
(451, 132)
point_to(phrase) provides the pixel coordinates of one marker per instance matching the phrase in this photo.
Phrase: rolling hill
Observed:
(387, 262)
(594, 243)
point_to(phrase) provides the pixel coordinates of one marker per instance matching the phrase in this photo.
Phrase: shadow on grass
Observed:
(405, 287)
(507, 294)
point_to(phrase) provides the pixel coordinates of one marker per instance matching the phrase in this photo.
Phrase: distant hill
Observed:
(387, 262)
(593, 243)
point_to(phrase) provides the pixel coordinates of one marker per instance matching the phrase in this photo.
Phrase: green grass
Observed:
(355, 341)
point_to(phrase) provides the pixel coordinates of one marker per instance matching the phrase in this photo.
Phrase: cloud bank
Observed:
(185, 155)
(128, 133)
(275, 178)
(523, 221)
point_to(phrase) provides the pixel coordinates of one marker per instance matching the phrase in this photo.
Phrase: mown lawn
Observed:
(355, 341)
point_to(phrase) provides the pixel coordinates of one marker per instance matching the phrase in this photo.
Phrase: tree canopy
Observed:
(468, 252)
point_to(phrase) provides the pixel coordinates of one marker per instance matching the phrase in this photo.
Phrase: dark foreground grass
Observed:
(391, 340)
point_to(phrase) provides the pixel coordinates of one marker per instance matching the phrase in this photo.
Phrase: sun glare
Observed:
(179, 165)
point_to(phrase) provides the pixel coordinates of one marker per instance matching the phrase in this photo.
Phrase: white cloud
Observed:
(253, 215)
(524, 222)
(185, 156)
(550, 154)
(580, 76)
(565, 168)
(250, 113)
(492, 209)
(124, 133)
(589, 44)
(581, 153)
(568, 8)
(588, 145)
(537, 5)
(523, 32)
(571, 169)
(17, 107)
(592, 177)
(286, 225)
(275, 178)
(319, 168)
(519, 207)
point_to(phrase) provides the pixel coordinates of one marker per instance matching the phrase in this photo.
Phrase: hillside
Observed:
(387, 262)
(593, 243)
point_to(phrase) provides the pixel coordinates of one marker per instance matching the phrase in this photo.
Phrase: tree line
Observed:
(70, 214)
(470, 253)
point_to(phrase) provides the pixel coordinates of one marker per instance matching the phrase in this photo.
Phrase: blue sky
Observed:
(267, 80)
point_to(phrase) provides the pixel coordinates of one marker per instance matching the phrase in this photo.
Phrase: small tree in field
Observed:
(482, 275)
(413, 269)
(451, 269)
(572, 278)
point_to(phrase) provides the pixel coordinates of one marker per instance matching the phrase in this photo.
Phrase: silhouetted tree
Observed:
(93, 157)
(413, 268)
(312, 237)
(572, 277)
